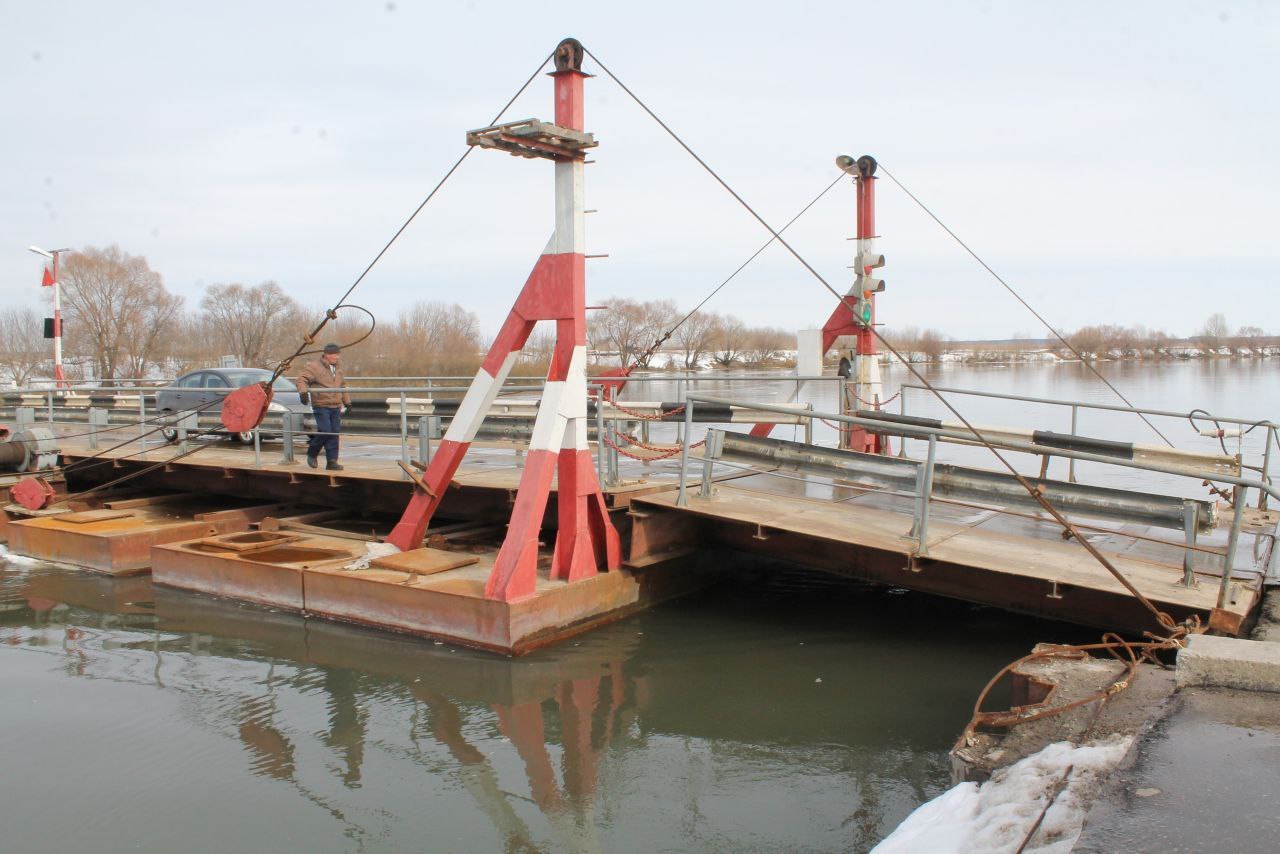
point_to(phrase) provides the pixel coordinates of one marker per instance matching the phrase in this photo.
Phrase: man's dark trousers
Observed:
(328, 423)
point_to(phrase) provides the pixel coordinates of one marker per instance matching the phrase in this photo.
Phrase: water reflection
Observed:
(812, 717)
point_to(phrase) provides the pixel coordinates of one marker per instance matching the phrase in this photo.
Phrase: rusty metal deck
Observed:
(309, 574)
(982, 556)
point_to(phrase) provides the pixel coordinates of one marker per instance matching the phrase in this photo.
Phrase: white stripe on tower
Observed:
(476, 402)
(571, 221)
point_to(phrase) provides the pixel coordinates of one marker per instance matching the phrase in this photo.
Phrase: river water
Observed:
(777, 710)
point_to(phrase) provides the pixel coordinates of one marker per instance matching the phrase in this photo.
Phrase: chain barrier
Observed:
(659, 453)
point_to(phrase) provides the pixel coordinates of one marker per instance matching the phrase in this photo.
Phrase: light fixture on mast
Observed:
(53, 325)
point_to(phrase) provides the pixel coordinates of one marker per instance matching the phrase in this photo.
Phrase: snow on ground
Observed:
(997, 815)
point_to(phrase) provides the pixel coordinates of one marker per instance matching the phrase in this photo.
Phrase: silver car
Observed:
(208, 386)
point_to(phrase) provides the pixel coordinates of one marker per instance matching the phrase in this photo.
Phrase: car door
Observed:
(187, 394)
(215, 388)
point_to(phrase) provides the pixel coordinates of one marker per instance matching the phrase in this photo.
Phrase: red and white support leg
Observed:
(555, 290)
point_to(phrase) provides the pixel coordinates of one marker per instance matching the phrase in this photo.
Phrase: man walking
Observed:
(323, 375)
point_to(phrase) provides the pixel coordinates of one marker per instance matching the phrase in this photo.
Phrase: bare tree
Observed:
(695, 337)
(23, 349)
(1214, 332)
(629, 328)
(728, 340)
(932, 344)
(249, 320)
(765, 344)
(118, 307)
(429, 339)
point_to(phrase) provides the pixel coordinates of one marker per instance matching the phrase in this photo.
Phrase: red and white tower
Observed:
(51, 280)
(857, 312)
(556, 290)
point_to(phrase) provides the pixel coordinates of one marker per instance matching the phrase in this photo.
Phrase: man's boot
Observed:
(333, 465)
(312, 461)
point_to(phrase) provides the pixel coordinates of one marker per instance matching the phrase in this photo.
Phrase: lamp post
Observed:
(51, 280)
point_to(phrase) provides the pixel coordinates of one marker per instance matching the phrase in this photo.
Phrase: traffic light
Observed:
(864, 287)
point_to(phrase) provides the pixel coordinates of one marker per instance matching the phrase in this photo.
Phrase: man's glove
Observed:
(305, 397)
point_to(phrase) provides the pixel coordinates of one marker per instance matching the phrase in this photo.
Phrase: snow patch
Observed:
(17, 560)
(997, 815)
(372, 551)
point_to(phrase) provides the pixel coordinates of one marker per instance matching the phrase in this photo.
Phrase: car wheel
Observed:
(245, 438)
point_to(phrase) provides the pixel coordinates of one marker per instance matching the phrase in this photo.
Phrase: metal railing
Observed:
(923, 493)
(1077, 405)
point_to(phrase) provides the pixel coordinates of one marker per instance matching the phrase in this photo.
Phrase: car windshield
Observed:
(242, 378)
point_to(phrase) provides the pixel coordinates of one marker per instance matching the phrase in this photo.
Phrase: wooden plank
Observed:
(424, 561)
(84, 517)
(150, 500)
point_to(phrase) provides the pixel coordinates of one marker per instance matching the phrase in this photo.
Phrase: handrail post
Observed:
(142, 416)
(1266, 467)
(404, 434)
(97, 418)
(1071, 463)
(1190, 528)
(1240, 493)
(808, 425)
(682, 499)
(600, 446)
(257, 447)
(424, 440)
(50, 406)
(924, 487)
(710, 451)
(286, 436)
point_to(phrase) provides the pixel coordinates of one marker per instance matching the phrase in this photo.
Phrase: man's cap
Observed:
(332, 348)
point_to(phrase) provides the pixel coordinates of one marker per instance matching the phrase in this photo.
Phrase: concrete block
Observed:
(1268, 628)
(1219, 662)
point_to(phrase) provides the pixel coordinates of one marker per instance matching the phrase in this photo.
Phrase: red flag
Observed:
(48, 279)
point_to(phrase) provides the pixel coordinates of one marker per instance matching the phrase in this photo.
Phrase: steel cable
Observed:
(1025, 304)
(332, 313)
(1163, 619)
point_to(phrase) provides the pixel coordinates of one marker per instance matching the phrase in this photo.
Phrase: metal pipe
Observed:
(1085, 404)
(1237, 518)
(951, 481)
(921, 432)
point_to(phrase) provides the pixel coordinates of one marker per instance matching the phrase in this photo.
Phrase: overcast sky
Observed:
(1115, 161)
